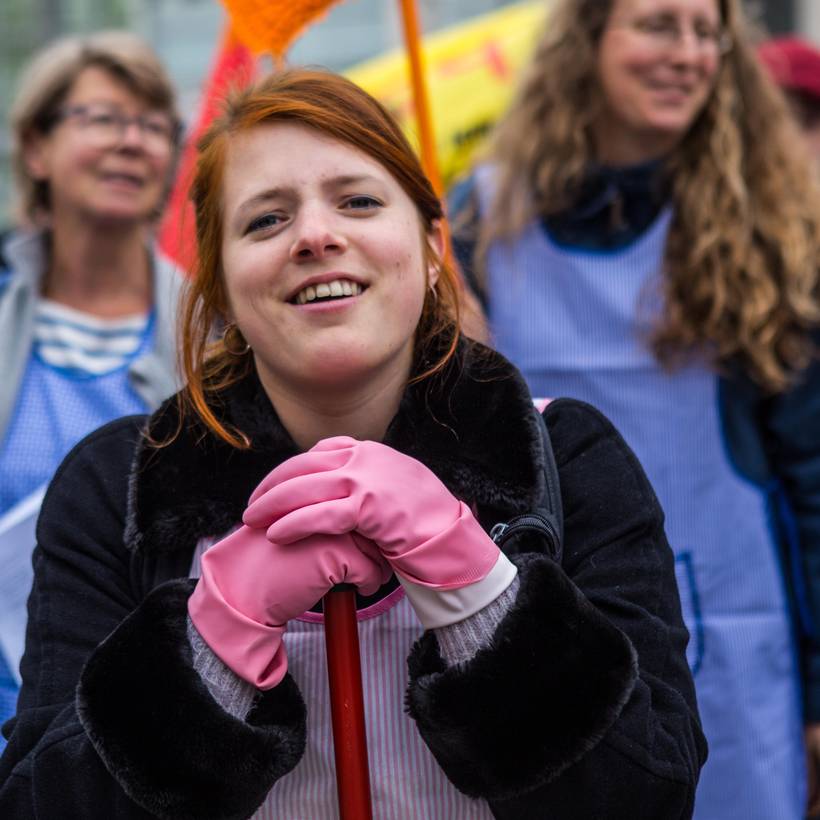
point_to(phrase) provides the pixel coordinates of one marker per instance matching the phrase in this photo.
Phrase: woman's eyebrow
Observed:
(260, 198)
(269, 194)
(348, 179)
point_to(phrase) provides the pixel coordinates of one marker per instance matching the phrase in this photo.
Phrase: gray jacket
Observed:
(153, 375)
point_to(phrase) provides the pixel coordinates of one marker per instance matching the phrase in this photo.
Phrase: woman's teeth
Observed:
(328, 290)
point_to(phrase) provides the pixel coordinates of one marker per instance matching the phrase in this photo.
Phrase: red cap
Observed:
(794, 64)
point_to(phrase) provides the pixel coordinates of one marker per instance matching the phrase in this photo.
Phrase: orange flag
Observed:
(268, 26)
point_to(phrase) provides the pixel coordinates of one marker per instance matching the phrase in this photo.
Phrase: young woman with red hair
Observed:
(342, 430)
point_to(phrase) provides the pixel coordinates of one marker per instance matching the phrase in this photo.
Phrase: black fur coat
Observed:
(582, 706)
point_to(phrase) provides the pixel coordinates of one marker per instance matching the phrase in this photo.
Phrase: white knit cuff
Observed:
(460, 642)
(436, 607)
(233, 694)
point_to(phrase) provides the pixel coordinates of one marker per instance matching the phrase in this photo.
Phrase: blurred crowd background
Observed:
(186, 33)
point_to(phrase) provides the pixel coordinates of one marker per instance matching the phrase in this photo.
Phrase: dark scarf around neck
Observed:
(473, 425)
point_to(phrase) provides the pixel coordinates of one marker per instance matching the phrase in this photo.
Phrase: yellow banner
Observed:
(471, 71)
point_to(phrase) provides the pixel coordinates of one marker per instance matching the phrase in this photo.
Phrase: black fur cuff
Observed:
(159, 732)
(544, 692)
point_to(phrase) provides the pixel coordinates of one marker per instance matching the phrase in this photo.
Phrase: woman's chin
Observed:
(329, 374)
(670, 126)
(337, 373)
(338, 361)
(342, 371)
(119, 215)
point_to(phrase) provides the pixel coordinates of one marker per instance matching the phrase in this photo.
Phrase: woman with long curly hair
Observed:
(644, 235)
(343, 430)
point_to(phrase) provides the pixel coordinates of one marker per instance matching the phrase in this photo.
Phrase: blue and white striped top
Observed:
(76, 380)
(83, 345)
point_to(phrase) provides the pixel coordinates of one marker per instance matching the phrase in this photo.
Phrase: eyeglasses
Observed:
(106, 126)
(665, 31)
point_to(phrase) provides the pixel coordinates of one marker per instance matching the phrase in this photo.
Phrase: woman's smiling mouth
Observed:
(326, 291)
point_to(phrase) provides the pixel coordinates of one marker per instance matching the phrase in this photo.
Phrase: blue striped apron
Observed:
(571, 321)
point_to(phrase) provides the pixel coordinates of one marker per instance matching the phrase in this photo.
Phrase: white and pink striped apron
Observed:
(406, 781)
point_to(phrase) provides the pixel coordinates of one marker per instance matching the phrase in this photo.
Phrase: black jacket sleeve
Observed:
(112, 719)
(583, 706)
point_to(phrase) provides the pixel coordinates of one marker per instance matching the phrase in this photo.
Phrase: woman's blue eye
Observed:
(359, 203)
(265, 221)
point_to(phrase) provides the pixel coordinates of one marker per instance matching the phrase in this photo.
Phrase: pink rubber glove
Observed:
(431, 539)
(251, 587)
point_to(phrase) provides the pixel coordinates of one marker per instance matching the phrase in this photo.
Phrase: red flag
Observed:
(234, 66)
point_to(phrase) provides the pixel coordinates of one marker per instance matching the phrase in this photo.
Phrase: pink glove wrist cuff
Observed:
(444, 556)
(442, 607)
(252, 650)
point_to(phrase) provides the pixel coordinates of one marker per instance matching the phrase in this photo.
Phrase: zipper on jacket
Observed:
(501, 532)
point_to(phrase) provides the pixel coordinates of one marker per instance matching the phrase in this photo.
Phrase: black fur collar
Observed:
(473, 425)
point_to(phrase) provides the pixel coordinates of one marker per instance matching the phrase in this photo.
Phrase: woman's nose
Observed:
(132, 136)
(687, 48)
(317, 236)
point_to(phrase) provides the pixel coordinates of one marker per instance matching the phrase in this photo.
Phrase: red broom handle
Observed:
(344, 672)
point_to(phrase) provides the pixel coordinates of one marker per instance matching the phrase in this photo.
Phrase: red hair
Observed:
(336, 108)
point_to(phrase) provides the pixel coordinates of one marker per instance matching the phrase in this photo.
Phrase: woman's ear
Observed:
(437, 243)
(35, 155)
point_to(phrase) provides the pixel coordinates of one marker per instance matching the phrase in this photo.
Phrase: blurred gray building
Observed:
(185, 32)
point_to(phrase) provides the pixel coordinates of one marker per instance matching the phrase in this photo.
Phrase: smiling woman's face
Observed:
(657, 64)
(323, 260)
(93, 177)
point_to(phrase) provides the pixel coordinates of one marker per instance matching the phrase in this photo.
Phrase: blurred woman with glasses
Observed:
(644, 235)
(86, 310)
(86, 305)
